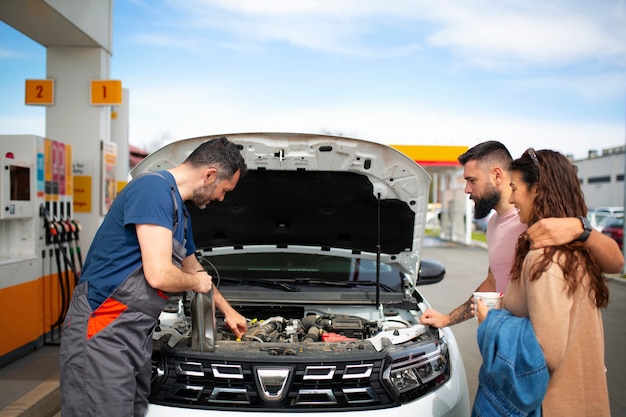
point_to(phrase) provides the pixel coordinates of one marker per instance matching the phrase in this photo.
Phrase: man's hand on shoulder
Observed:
(554, 231)
(560, 231)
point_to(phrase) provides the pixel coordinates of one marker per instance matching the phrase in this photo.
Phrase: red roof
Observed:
(135, 155)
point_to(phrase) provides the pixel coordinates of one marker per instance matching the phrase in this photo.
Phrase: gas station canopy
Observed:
(59, 23)
(433, 156)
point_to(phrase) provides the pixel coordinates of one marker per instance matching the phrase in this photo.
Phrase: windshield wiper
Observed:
(309, 281)
(268, 283)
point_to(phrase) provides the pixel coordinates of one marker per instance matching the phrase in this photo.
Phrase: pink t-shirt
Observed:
(502, 233)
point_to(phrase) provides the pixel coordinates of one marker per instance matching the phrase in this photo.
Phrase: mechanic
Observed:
(485, 169)
(143, 250)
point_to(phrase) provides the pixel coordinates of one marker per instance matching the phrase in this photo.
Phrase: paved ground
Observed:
(466, 268)
(25, 381)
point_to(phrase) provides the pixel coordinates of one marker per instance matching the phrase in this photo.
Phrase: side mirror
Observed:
(430, 272)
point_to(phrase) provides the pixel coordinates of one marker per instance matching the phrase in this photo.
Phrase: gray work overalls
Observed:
(106, 354)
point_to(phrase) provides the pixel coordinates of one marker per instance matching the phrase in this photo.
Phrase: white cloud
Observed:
(196, 114)
(592, 88)
(534, 33)
(6, 53)
(521, 40)
(486, 34)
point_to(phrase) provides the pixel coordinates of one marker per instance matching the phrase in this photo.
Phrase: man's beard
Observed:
(200, 196)
(484, 204)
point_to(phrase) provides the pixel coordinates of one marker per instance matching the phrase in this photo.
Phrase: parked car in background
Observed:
(614, 228)
(604, 220)
(599, 215)
(481, 224)
(433, 216)
(611, 210)
(319, 247)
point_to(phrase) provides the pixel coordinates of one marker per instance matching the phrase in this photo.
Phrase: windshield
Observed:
(301, 268)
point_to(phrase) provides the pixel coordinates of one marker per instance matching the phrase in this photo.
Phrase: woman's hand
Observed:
(481, 310)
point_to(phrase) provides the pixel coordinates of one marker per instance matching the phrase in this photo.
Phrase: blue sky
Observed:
(528, 73)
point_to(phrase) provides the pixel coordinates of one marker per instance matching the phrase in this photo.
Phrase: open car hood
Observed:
(312, 193)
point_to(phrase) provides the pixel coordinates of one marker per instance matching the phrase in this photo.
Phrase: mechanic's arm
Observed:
(155, 243)
(560, 231)
(463, 312)
(235, 321)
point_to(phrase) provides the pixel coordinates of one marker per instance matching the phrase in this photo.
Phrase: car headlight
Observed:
(414, 372)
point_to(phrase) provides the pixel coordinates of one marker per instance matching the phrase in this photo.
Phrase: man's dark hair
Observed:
(219, 153)
(489, 151)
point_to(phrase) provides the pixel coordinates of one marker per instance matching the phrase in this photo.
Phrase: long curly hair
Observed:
(558, 195)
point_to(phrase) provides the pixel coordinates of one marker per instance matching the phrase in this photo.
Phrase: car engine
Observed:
(295, 325)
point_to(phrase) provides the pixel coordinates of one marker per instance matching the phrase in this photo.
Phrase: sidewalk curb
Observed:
(616, 278)
(42, 401)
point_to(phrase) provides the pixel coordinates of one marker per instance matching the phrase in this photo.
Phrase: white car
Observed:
(598, 216)
(319, 247)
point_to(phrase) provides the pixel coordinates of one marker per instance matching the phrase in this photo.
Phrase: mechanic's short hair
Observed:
(219, 153)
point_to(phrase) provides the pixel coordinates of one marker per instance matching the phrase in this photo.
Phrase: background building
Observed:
(602, 177)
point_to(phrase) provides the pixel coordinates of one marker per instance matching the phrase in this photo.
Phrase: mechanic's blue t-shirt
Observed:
(114, 253)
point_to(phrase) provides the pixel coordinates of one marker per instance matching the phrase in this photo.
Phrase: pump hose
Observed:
(80, 256)
(68, 266)
(62, 289)
(64, 284)
(73, 263)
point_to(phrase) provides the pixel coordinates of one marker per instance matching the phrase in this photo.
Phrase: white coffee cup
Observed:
(490, 299)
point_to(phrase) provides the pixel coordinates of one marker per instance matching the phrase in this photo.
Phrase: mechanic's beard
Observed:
(203, 196)
(484, 204)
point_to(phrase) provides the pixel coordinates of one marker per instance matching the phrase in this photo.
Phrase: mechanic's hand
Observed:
(204, 282)
(554, 231)
(236, 323)
(434, 318)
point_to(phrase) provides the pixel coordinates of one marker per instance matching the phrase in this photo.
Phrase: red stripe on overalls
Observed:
(108, 311)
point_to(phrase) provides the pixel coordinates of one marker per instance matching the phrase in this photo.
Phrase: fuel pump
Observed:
(37, 232)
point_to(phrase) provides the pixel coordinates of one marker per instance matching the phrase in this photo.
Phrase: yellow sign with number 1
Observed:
(106, 92)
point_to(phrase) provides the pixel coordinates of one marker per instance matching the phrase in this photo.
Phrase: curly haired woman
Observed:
(561, 289)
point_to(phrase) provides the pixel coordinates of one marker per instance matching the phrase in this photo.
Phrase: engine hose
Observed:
(309, 321)
(312, 335)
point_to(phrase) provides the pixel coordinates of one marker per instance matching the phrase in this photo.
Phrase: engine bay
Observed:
(297, 325)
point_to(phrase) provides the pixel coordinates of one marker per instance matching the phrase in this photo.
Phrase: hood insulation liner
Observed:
(325, 209)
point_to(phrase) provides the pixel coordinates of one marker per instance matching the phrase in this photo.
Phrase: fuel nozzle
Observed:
(52, 231)
(77, 228)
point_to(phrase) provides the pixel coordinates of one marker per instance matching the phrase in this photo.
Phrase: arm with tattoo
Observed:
(436, 319)
(461, 313)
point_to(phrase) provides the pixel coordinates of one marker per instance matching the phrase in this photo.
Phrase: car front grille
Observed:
(293, 385)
